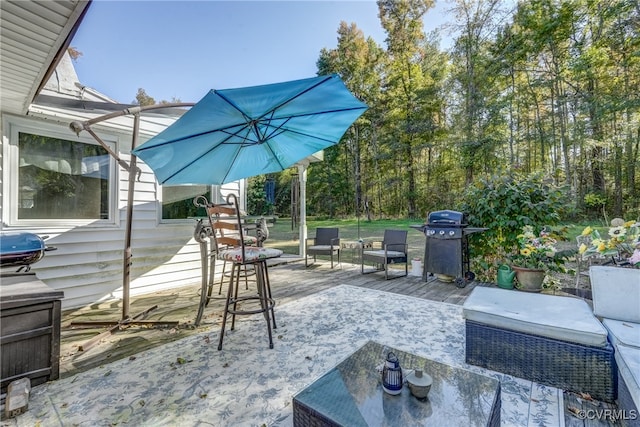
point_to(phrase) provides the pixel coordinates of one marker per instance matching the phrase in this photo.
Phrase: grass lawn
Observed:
(283, 236)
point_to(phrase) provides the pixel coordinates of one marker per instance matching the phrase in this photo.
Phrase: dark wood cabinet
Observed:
(29, 330)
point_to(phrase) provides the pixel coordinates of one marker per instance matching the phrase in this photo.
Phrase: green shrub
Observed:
(594, 201)
(505, 204)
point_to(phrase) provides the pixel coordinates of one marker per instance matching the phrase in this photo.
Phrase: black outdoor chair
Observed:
(393, 249)
(326, 242)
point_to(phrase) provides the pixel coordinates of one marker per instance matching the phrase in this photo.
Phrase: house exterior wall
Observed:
(87, 265)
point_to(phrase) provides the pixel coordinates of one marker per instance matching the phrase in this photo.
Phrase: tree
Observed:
(142, 99)
(478, 113)
(549, 87)
(358, 61)
(402, 21)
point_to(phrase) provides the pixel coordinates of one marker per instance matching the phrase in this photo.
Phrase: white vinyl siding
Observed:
(87, 265)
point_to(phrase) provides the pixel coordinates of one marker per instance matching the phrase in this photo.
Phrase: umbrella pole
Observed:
(126, 267)
(125, 320)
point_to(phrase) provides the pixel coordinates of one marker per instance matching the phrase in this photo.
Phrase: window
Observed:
(177, 201)
(57, 179)
(60, 179)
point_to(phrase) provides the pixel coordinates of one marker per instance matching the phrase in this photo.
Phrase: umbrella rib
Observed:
(287, 118)
(206, 152)
(292, 98)
(275, 157)
(289, 100)
(235, 157)
(242, 126)
(277, 130)
(303, 125)
(189, 164)
(318, 113)
(272, 110)
(194, 135)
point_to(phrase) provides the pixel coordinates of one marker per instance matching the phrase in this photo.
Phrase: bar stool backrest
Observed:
(226, 224)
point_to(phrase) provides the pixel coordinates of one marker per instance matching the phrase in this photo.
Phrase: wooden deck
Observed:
(289, 281)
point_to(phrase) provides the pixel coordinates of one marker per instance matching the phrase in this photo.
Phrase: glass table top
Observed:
(351, 394)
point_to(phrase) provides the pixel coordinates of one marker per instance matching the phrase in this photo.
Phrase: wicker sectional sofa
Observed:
(548, 339)
(616, 301)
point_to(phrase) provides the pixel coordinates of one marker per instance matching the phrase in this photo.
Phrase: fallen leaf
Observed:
(141, 403)
(226, 365)
(203, 396)
(132, 357)
(207, 339)
(181, 360)
(307, 357)
(534, 400)
(574, 411)
(106, 374)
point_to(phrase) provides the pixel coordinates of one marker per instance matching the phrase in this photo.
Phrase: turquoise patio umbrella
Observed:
(232, 134)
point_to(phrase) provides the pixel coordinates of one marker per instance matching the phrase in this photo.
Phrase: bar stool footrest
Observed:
(270, 303)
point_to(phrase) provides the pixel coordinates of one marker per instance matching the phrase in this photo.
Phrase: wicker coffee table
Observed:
(351, 395)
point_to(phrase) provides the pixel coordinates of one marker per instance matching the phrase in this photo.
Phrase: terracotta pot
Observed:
(530, 279)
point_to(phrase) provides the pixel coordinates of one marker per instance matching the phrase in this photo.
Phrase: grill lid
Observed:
(446, 218)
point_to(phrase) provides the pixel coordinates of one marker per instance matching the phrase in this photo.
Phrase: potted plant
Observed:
(622, 244)
(535, 257)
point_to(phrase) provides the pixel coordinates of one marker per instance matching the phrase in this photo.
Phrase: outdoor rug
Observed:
(190, 383)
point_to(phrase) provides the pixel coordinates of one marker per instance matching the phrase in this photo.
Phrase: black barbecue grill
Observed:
(446, 249)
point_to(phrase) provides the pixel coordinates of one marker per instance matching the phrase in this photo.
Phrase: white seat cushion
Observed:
(562, 318)
(628, 361)
(380, 253)
(616, 292)
(252, 254)
(323, 247)
(621, 332)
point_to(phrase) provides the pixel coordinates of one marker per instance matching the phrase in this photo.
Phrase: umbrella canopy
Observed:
(237, 133)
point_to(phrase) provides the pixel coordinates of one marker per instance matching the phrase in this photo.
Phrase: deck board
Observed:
(289, 282)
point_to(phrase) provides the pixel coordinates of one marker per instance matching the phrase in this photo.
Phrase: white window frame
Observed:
(12, 126)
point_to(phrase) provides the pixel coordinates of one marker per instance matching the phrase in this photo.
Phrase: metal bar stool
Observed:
(230, 240)
(209, 248)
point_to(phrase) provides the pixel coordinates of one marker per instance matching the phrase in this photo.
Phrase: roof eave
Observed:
(58, 49)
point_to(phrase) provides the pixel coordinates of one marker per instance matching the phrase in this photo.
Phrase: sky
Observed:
(183, 49)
